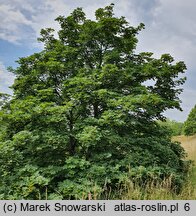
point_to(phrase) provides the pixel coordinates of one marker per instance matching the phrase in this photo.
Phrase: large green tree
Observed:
(190, 123)
(82, 115)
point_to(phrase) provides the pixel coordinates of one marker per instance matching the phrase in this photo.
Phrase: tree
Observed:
(175, 128)
(81, 114)
(190, 123)
(4, 99)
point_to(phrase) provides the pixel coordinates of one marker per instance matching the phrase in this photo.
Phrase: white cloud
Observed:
(11, 22)
(23, 19)
(188, 99)
(173, 30)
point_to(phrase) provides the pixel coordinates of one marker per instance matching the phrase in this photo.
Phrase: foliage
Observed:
(81, 116)
(4, 99)
(190, 123)
(175, 128)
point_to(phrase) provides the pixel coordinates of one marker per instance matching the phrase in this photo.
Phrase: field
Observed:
(189, 144)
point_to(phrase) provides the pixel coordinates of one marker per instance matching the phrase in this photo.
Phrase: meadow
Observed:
(189, 144)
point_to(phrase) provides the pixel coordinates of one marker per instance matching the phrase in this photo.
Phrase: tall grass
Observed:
(151, 190)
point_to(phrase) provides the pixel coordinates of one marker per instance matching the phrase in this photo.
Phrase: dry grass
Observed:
(189, 144)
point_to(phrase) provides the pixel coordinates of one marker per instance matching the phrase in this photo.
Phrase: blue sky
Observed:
(170, 28)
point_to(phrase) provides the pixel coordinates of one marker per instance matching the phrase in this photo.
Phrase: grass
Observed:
(153, 191)
(189, 144)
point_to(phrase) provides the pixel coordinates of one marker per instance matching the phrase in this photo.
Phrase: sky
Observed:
(170, 27)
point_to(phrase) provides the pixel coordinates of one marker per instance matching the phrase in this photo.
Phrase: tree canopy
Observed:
(175, 128)
(190, 123)
(82, 117)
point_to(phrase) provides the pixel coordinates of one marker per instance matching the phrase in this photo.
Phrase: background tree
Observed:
(81, 114)
(175, 128)
(190, 123)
